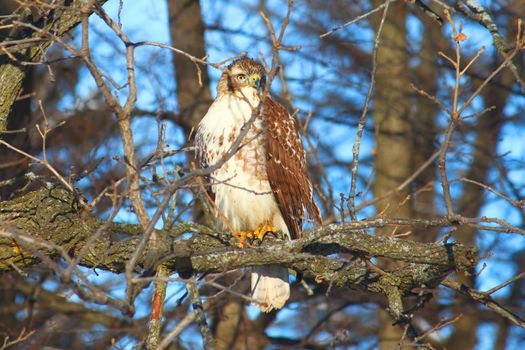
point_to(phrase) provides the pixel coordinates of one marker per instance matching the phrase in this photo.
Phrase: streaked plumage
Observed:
(265, 181)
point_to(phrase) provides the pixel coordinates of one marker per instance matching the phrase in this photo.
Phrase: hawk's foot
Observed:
(262, 230)
(245, 238)
(241, 237)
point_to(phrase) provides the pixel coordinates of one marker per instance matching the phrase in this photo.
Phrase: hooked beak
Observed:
(255, 80)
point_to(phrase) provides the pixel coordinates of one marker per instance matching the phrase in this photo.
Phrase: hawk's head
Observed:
(243, 72)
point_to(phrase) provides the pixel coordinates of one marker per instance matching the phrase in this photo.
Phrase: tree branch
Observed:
(52, 215)
(14, 59)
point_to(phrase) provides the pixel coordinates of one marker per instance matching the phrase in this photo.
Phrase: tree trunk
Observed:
(393, 161)
(187, 34)
(423, 120)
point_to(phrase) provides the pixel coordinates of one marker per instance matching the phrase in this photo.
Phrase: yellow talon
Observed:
(259, 233)
(241, 237)
(16, 248)
(263, 230)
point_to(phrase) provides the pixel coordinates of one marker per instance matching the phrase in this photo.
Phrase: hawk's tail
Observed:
(270, 287)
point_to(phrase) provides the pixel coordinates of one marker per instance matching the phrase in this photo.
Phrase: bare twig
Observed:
(358, 18)
(486, 300)
(362, 119)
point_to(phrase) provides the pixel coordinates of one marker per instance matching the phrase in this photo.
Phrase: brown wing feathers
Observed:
(286, 167)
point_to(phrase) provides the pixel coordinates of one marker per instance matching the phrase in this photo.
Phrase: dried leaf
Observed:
(460, 37)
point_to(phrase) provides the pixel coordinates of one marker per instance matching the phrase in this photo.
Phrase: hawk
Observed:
(264, 186)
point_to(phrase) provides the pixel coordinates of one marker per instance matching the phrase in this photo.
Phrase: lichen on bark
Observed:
(49, 222)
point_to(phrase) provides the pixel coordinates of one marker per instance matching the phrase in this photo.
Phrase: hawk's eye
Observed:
(241, 77)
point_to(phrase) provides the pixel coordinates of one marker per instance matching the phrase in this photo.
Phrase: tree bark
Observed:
(47, 223)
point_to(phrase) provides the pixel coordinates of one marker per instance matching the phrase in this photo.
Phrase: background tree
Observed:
(412, 118)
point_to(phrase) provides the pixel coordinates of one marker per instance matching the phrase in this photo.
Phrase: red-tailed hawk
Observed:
(264, 186)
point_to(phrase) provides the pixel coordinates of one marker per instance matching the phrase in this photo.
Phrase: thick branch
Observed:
(39, 222)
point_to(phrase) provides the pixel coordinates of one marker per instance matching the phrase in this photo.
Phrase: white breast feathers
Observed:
(243, 194)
